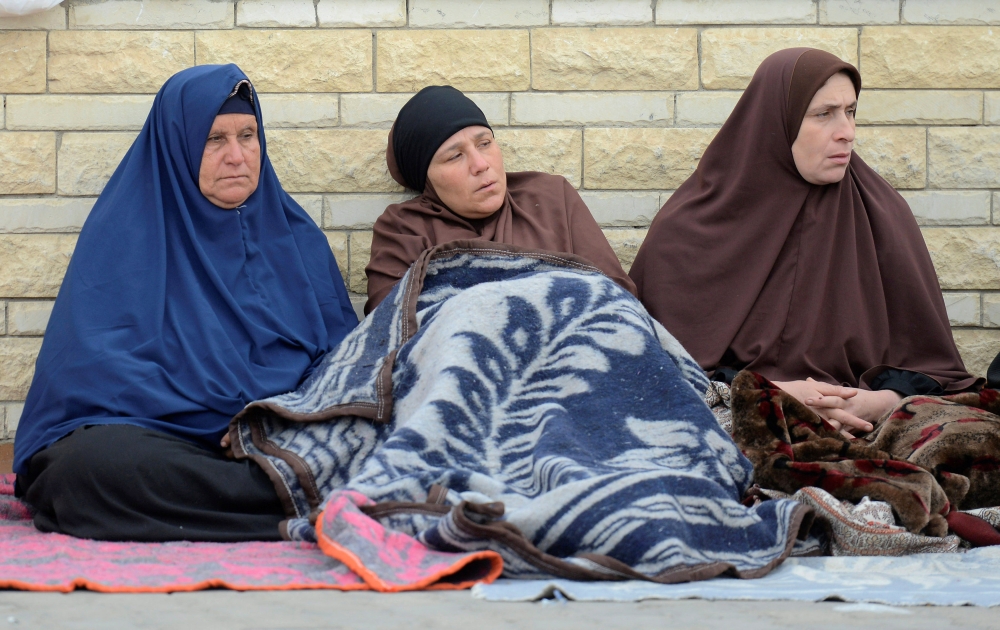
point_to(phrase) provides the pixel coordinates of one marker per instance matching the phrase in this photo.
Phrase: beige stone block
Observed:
(965, 258)
(621, 209)
(735, 12)
(978, 347)
(858, 12)
(964, 157)
(626, 244)
(294, 61)
(299, 110)
(920, 107)
(22, 62)
(614, 59)
(470, 60)
(313, 205)
(996, 209)
(17, 356)
(730, 56)
(358, 302)
(361, 253)
(3, 318)
(355, 13)
(338, 244)
(991, 108)
(28, 319)
(488, 13)
(963, 308)
(696, 109)
(33, 265)
(991, 310)
(14, 411)
(275, 13)
(87, 160)
(52, 20)
(934, 57)
(331, 160)
(949, 207)
(592, 108)
(556, 151)
(642, 159)
(64, 112)
(951, 12)
(151, 14)
(358, 212)
(27, 163)
(899, 154)
(103, 61)
(27, 215)
(382, 109)
(601, 12)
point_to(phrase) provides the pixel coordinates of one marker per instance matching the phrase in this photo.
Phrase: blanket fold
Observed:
(516, 403)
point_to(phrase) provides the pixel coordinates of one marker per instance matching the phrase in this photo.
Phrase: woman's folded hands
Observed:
(850, 409)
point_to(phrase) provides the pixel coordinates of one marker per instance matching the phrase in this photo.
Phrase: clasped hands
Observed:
(849, 409)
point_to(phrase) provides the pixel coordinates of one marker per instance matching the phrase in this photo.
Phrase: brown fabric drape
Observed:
(750, 266)
(540, 211)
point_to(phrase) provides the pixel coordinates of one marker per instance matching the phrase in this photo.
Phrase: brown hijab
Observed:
(749, 265)
(540, 211)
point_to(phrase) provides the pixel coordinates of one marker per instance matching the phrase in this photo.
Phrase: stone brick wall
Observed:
(620, 96)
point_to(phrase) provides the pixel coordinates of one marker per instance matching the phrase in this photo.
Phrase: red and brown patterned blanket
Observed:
(928, 458)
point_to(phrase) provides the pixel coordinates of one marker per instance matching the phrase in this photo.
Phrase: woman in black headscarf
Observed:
(442, 146)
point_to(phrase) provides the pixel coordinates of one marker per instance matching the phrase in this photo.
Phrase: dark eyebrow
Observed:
(831, 106)
(478, 136)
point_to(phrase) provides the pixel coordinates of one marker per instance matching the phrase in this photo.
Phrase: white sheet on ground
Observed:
(953, 579)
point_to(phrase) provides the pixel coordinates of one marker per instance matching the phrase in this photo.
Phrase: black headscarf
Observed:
(432, 116)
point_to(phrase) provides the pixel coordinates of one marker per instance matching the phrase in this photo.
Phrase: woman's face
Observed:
(230, 165)
(823, 147)
(467, 173)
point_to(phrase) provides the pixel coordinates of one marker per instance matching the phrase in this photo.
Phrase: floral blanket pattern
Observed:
(520, 402)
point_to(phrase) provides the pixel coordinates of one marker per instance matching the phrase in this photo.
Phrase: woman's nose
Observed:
(845, 130)
(478, 163)
(234, 152)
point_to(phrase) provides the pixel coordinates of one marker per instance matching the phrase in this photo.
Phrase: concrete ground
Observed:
(300, 610)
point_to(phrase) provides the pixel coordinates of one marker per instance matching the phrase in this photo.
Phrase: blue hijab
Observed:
(175, 313)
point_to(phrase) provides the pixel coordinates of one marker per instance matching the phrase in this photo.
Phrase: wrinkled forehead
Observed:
(188, 103)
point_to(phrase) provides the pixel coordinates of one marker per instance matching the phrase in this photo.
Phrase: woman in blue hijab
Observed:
(197, 286)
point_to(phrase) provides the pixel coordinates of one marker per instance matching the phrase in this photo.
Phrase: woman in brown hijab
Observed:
(442, 145)
(784, 253)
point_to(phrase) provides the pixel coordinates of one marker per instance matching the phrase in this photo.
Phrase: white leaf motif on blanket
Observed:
(511, 383)
(552, 390)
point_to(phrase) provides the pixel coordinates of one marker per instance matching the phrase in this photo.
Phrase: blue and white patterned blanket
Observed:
(522, 402)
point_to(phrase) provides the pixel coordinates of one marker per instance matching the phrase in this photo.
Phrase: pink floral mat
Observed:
(32, 560)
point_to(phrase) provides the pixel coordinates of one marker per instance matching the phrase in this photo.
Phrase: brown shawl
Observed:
(540, 212)
(750, 266)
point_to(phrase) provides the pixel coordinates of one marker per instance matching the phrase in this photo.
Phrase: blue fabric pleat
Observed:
(175, 313)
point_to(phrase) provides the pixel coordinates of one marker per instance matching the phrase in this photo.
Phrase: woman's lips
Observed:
(840, 158)
(485, 187)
